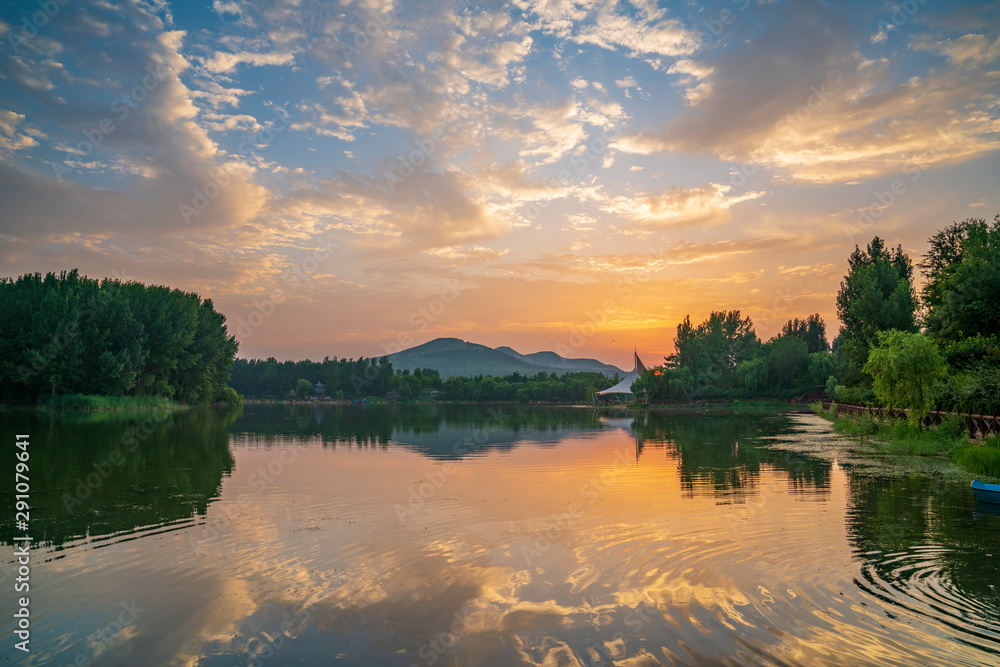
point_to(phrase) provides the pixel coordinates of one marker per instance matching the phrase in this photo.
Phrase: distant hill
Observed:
(453, 356)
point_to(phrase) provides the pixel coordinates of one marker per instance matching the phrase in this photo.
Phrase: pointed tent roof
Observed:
(625, 386)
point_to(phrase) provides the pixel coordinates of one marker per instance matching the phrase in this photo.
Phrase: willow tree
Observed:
(904, 369)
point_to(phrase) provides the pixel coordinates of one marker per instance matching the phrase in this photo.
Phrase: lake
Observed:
(489, 535)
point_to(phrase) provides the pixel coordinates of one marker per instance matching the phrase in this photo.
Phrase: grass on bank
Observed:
(950, 439)
(725, 407)
(982, 459)
(98, 402)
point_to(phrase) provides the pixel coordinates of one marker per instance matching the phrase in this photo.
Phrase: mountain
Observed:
(553, 360)
(453, 356)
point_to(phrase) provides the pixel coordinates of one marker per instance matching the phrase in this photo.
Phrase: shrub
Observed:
(228, 395)
(952, 427)
(858, 395)
(831, 388)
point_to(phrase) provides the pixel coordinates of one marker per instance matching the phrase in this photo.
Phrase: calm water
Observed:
(488, 536)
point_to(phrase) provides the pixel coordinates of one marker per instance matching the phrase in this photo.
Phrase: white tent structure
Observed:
(625, 386)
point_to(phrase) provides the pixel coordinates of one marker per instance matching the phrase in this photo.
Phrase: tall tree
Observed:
(789, 360)
(66, 333)
(713, 349)
(812, 331)
(962, 267)
(876, 295)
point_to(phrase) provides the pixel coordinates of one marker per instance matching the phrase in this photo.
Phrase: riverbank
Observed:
(97, 402)
(723, 407)
(678, 407)
(948, 442)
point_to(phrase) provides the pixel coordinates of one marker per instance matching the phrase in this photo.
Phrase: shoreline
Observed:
(98, 403)
(947, 445)
(699, 407)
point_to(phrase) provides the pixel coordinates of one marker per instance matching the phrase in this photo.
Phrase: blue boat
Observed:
(986, 493)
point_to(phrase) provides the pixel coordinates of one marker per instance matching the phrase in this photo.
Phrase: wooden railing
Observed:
(978, 425)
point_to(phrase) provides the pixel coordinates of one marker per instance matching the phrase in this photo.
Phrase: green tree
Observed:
(904, 369)
(713, 349)
(974, 383)
(669, 384)
(410, 387)
(303, 388)
(962, 267)
(753, 373)
(811, 330)
(821, 366)
(67, 333)
(789, 359)
(876, 295)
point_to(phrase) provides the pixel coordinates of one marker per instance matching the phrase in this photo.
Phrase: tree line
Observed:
(936, 349)
(568, 387)
(270, 378)
(350, 378)
(68, 334)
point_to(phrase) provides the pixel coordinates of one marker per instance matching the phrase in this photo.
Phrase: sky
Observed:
(350, 178)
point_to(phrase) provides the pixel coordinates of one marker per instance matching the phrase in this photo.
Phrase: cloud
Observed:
(812, 107)
(223, 62)
(217, 96)
(679, 207)
(971, 49)
(226, 8)
(340, 119)
(597, 23)
(492, 64)
(554, 132)
(144, 123)
(11, 138)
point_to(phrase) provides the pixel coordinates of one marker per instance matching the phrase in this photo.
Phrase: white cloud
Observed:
(11, 138)
(971, 49)
(679, 207)
(811, 106)
(223, 62)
